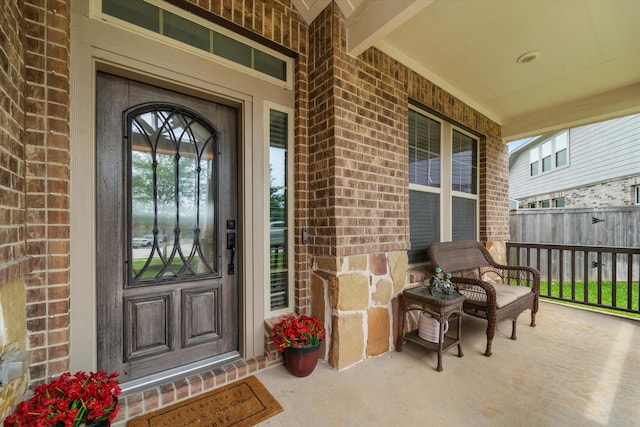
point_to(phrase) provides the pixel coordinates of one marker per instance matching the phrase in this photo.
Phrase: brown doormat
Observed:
(242, 403)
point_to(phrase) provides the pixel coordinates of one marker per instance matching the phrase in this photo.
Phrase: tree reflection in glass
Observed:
(173, 194)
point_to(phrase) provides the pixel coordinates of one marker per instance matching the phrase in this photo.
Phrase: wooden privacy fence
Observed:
(607, 227)
(616, 227)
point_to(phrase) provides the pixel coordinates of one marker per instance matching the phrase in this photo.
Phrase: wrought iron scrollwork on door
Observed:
(173, 194)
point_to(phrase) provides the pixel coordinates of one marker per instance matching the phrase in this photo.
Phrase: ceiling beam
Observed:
(373, 20)
(309, 9)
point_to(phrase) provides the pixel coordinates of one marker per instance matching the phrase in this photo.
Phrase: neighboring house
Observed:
(591, 166)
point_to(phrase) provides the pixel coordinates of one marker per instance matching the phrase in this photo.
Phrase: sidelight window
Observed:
(280, 272)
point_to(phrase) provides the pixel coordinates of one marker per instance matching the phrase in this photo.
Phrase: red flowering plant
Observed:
(297, 331)
(70, 401)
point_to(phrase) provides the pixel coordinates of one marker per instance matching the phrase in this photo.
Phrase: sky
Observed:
(515, 144)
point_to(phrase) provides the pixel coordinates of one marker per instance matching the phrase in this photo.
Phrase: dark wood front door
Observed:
(166, 203)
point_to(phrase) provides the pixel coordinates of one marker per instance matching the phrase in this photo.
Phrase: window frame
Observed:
(546, 152)
(96, 13)
(637, 194)
(561, 144)
(445, 191)
(534, 162)
(268, 106)
(549, 150)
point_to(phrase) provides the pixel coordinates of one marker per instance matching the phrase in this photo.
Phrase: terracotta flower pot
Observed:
(301, 361)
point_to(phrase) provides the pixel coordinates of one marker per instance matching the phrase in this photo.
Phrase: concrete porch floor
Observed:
(575, 368)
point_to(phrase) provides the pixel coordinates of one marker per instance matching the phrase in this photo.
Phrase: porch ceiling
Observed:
(588, 70)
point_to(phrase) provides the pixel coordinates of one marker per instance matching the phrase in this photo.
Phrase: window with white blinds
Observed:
(424, 223)
(443, 183)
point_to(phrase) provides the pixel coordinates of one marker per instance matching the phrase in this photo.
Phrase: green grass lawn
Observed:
(592, 296)
(277, 261)
(156, 265)
(277, 265)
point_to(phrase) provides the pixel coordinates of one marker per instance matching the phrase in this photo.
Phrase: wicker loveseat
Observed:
(492, 291)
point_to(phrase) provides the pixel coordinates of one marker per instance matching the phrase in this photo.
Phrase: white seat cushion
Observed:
(506, 294)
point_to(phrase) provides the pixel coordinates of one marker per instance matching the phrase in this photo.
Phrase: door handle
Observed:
(231, 244)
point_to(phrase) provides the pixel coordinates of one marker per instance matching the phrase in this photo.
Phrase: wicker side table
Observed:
(441, 307)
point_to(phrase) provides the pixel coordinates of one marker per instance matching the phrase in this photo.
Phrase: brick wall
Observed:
(14, 263)
(34, 170)
(12, 146)
(46, 29)
(494, 191)
(358, 150)
(322, 210)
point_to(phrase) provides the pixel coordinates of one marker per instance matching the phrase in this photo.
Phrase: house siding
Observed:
(604, 161)
(351, 185)
(604, 151)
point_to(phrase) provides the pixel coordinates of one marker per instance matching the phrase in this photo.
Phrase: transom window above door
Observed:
(180, 26)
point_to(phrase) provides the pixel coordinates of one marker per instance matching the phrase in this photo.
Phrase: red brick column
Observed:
(14, 263)
(47, 158)
(357, 148)
(494, 190)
